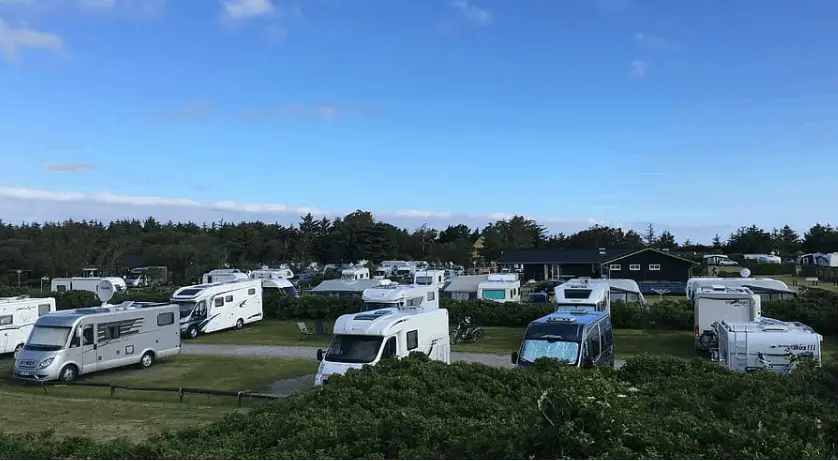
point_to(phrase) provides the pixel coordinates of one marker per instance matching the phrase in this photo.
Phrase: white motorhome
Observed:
(381, 272)
(584, 293)
(818, 259)
(390, 294)
(369, 337)
(500, 288)
(355, 273)
(223, 275)
(276, 280)
(769, 344)
(626, 290)
(715, 303)
(767, 288)
(17, 316)
(146, 276)
(434, 278)
(212, 307)
(91, 284)
(66, 344)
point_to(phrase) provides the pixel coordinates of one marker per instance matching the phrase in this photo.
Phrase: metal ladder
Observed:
(741, 348)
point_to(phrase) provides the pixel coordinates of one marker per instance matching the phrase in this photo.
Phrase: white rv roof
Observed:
(391, 293)
(595, 292)
(194, 291)
(751, 282)
(722, 292)
(767, 325)
(381, 322)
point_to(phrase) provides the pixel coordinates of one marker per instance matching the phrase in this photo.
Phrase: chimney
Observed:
(602, 251)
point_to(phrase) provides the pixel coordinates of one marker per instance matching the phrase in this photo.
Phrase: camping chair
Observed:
(305, 332)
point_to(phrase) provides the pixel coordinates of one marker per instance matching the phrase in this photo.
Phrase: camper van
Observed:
(584, 293)
(66, 344)
(434, 278)
(276, 280)
(396, 331)
(500, 288)
(767, 288)
(91, 284)
(765, 345)
(715, 303)
(223, 275)
(146, 276)
(581, 337)
(17, 316)
(355, 273)
(212, 307)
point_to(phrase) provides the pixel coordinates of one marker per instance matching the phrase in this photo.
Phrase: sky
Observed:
(698, 116)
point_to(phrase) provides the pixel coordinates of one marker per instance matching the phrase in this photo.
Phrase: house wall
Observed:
(671, 269)
(541, 272)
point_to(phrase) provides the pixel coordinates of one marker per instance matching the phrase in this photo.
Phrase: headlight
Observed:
(45, 363)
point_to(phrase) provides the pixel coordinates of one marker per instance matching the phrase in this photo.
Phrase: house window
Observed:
(634, 267)
(614, 267)
(654, 267)
(412, 339)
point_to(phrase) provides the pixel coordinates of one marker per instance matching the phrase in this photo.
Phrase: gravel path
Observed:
(306, 352)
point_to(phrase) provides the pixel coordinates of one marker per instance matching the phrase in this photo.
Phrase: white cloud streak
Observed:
(480, 17)
(33, 205)
(638, 68)
(14, 40)
(247, 9)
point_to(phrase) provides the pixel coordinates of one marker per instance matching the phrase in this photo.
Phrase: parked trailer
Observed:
(212, 307)
(717, 303)
(765, 345)
(17, 317)
(224, 275)
(500, 288)
(66, 344)
(91, 284)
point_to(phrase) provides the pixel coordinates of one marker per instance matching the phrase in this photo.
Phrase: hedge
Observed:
(817, 308)
(653, 408)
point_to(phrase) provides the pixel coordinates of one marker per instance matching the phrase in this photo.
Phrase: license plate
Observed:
(24, 373)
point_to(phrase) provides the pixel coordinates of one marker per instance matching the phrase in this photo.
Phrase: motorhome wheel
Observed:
(239, 324)
(68, 374)
(147, 359)
(193, 332)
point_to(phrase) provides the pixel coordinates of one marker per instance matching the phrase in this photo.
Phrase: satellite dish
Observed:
(745, 272)
(105, 290)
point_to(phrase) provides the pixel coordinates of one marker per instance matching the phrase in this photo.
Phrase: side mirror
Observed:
(319, 355)
(587, 362)
(514, 357)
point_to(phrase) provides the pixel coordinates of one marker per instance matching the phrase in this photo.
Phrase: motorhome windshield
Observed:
(186, 308)
(424, 280)
(554, 348)
(353, 348)
(47, 338)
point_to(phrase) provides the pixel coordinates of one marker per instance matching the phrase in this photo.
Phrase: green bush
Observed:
(654, 408)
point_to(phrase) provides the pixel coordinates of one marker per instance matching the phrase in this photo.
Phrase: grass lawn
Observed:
(78, 410)
(801, 282)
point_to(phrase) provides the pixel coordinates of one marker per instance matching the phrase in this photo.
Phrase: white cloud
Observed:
(474, 14)
(656, 44)
(13, 40)
(246, 9)
(68, 167)
(32, 205)
(638, 68)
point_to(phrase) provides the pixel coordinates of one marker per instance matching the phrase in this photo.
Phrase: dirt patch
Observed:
(288, 386)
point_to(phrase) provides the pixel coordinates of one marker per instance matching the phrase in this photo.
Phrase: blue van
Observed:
(581, 337)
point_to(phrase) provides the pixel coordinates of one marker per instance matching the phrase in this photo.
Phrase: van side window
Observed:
(251, 292)
(87, 335)
(6, 320)
(112, 332)
(219, 302)
(389, 348)
(228, 299)
(412, 339)
(594, 345)
(75, 341)
(43, 309)
(166, 318)
(607, 334)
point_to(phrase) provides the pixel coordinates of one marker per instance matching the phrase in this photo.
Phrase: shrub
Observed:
(654, 408)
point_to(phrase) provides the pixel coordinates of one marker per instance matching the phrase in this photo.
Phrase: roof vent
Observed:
(602, 251)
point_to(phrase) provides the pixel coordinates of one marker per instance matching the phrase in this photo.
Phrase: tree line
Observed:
(54, 249)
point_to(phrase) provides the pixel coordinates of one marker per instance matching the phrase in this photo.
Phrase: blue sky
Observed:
(685, 114)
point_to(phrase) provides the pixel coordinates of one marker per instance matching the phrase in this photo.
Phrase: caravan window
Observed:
(6, 320)
(166, 318)
(87, 335)
(389, 348)
(228, 299)
(494, 294)
(61, 288)
(219, 301)
(431, 295)
(251, 291)
(44, 309)
(594, 343)
(111, 332)
(607, 334)
(412, 339)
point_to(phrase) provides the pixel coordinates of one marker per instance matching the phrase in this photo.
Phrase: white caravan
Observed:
(17, 316)
(626, 290)
(769, 344)
(818, 259)
(434, 278)
(223, 275)
(91, 284)
(212, 307)
(368, 337)
(713, 304)
(500, 288)
(276, 280)
(767, 288)
(66, 344)
(584, 293)
(390, 294)
(355, 273)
